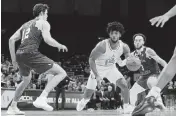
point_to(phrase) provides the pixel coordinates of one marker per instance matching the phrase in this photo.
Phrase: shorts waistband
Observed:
(26, 51)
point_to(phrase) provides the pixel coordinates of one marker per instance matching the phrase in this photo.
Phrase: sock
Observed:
(14, 103)
(44, 94)
(155, 91)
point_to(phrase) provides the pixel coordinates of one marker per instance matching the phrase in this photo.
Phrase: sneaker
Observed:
(41, 102)
(81, 104)
(159, 104)
(128, 109)
(13, 110)
(146, 106)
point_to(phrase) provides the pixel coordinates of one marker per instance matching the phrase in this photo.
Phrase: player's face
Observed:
(138, 42)
(45, 15)
(115, 35)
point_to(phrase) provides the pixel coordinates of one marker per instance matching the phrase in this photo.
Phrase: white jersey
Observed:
(105, 65)
(110, 57)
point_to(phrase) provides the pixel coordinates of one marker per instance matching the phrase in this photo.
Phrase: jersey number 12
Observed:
(25, 34)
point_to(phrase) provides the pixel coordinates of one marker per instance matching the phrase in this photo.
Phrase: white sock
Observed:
(44, 94)
(14, 103)
(155, 91)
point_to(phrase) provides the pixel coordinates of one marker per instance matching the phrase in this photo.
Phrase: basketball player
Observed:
(102, 60)
(167, 74)
(149, 66)
(29, 58)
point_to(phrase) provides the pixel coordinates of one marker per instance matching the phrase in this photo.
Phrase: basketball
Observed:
(152, 81)
(133, 63)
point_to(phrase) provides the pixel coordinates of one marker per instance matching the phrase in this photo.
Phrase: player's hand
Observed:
(63, 48)
(159, 20)
(99, 79)
(15, 65)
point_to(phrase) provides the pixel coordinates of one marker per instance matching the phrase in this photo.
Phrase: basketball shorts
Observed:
(142, 81)
(111, 73)
(32, 61)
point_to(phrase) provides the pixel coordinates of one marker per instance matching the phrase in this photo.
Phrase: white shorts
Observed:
(111, 73)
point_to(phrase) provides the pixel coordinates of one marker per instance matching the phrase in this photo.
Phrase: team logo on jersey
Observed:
(110, 60)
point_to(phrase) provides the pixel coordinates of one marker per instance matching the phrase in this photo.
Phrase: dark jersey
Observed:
(149, 65)
(31, 36)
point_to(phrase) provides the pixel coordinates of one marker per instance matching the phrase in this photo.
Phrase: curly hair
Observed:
(140, 34)
(38, 8)
(115, 26)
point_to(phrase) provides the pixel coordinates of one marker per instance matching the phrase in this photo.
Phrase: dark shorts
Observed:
(33, 61)
(142, 81)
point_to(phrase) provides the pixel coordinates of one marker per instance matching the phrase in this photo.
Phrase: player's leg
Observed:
(134, 91)
(42, 64)
(114, 76)
(59, 75)
(25, 73)
(151, 99)
(166, 76)
(90, 88)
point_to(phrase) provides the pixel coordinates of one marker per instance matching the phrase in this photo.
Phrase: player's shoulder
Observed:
(41, 24)
(125, 45)
(148, 49)
(44, 22)
(101, 46)
(102, 43)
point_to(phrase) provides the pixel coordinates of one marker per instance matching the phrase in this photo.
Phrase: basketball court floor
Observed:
(87, 113)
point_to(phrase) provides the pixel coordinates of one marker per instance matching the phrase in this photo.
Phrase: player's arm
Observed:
(45, 28)
(171, 12)
(150, 52)
(15, 37)
(126, 52)
(96, 52)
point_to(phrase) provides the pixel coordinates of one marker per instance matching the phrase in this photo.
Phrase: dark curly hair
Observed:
(140, 34)
(115, 26)
(38, 8)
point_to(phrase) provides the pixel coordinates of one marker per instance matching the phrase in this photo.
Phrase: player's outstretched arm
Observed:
(161, 20)
(45, 28)
(15, 37)
(151, 53)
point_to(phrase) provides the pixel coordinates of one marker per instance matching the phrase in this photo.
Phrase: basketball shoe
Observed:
(41, 102)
